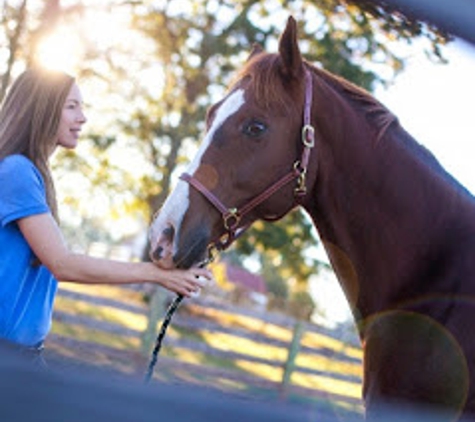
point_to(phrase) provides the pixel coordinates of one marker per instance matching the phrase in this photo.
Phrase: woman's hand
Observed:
(185, 282)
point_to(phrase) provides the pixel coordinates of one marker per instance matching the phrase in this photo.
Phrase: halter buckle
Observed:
(308, 136)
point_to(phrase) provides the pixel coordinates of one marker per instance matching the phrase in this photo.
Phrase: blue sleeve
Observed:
(22, 190)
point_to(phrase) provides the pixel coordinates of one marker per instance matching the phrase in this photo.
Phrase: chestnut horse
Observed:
(399, 231)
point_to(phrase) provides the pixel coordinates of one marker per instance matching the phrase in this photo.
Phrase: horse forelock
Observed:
(262, 75)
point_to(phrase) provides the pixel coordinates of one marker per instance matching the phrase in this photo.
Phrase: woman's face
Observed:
(72, 119)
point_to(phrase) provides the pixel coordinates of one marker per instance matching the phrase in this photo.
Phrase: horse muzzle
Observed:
(171, 250)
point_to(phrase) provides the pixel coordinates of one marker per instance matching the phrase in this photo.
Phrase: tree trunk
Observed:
(13, 47)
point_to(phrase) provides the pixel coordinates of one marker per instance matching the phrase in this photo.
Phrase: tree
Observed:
(23, 26)
(13, 21)
(301, 306)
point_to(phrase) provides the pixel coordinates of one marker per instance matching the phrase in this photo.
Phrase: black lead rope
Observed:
(161, 335)
(168, 317)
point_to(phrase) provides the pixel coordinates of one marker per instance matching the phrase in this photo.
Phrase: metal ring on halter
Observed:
(299, 168)
(211, 252)
(225, 240)
(231, 219)
(308, 136)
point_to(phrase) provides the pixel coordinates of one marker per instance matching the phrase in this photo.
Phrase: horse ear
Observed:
(256, 49)
(289, 50)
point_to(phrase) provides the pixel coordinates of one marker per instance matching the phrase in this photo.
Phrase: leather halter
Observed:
(232, 216)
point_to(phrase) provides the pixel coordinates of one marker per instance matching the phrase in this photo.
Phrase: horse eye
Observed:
(254, 129)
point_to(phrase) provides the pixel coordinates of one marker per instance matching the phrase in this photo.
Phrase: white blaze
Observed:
(178, 202)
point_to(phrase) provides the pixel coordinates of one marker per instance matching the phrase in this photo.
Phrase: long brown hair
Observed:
(29, 120)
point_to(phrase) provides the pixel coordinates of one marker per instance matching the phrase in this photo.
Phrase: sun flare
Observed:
(60, 51)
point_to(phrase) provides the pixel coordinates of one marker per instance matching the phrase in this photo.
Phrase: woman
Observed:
(43, 110)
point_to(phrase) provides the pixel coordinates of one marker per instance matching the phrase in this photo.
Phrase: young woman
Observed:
(43, 111)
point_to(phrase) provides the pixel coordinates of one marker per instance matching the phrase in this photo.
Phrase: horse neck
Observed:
(379, 206)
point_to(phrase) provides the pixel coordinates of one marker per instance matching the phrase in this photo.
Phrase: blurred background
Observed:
(148, 70)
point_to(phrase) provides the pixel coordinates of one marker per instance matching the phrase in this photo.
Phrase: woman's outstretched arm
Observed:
(46, 240)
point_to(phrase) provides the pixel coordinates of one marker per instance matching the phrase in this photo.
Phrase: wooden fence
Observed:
(211, 339)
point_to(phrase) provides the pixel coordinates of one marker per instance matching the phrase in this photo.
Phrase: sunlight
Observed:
(327, 293)
(60, 51)
(98, 30)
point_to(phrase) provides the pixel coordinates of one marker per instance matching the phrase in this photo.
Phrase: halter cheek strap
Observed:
(232, 216)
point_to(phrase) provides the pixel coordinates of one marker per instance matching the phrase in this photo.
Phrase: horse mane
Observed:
(376, 112)
(263, 72)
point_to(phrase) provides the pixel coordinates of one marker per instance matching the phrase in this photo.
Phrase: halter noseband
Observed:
(232, 216)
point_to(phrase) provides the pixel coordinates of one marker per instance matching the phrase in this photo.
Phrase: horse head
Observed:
(252, 163)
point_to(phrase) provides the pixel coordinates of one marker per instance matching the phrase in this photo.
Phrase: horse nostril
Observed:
(169, 233)
(157, 253)
(164, 244)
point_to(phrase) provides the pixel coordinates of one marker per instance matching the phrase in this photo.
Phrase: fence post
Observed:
(294, 348)
(156, 311)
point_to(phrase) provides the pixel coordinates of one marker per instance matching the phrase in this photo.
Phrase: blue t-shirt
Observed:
(27, 289)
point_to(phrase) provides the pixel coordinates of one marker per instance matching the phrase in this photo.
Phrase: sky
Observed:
(436, 104)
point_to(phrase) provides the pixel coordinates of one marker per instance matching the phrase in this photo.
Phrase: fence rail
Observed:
(200, 318)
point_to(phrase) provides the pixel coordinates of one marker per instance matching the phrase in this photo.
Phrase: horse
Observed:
(399, 230)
